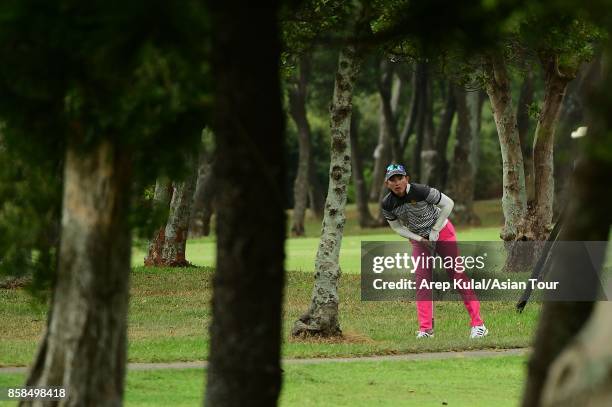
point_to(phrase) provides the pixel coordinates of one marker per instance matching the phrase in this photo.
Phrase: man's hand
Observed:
(434, 235)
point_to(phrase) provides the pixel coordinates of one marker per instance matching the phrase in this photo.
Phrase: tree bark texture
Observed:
(177, 228)
(84, 347)
(514, 198)
(581, 375)
(161, 202)
(245, 333)
(297, 109)
(203, 197)
(322, 315)
(588, 219)
(523, 123)
(540, 220)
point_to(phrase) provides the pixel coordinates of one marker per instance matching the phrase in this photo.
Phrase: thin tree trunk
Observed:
(462, 174)
(203, 197)
(541, 217)
(389, 88)
(382, 157)
(322, 316)
(411, 118)
(421, 123)
(475, 100)
(513, 199)
(84, 349)
(177, 227)
(161, 202)
(297, 109)
(245, 334)
(387, 149)
(365, 218)
(441, 165)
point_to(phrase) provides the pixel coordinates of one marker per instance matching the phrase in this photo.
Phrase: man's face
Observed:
(397, 184)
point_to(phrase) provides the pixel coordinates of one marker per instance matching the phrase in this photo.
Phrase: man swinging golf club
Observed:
(420, 213)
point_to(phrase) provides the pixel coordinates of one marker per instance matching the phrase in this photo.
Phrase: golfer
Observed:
(420, 214)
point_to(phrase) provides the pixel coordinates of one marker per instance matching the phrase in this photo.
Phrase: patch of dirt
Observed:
(11, 283)
(346, 337)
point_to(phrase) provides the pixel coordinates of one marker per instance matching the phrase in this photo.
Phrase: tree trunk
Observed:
(571, 117)
(428, 153)
(523, 125)
(475, 100)
(580, 376)
(382, 157)
(389, 88)
(411, 118)
(245, 334)
(297, 109)
(421, 122)
(462, 174)
(440, 169)
(161, 202)
(203, 197)
(84, 348)
(316, 197)
(322, 316)
(588, 219)
(513, 199)
(177, 228)
(540, 220)
(361, 196)
(387, 149)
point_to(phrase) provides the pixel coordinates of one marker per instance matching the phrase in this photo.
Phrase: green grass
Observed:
(300, 252)
(170, 312)
(483, 381)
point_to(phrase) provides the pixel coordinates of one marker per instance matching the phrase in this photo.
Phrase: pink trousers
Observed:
(446, 246)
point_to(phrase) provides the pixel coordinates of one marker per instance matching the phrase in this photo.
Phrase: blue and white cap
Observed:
(395, 169)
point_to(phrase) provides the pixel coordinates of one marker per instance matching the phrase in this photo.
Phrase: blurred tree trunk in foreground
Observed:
(84, 346)
(322, 315)
(245, 333)
(588, 219)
